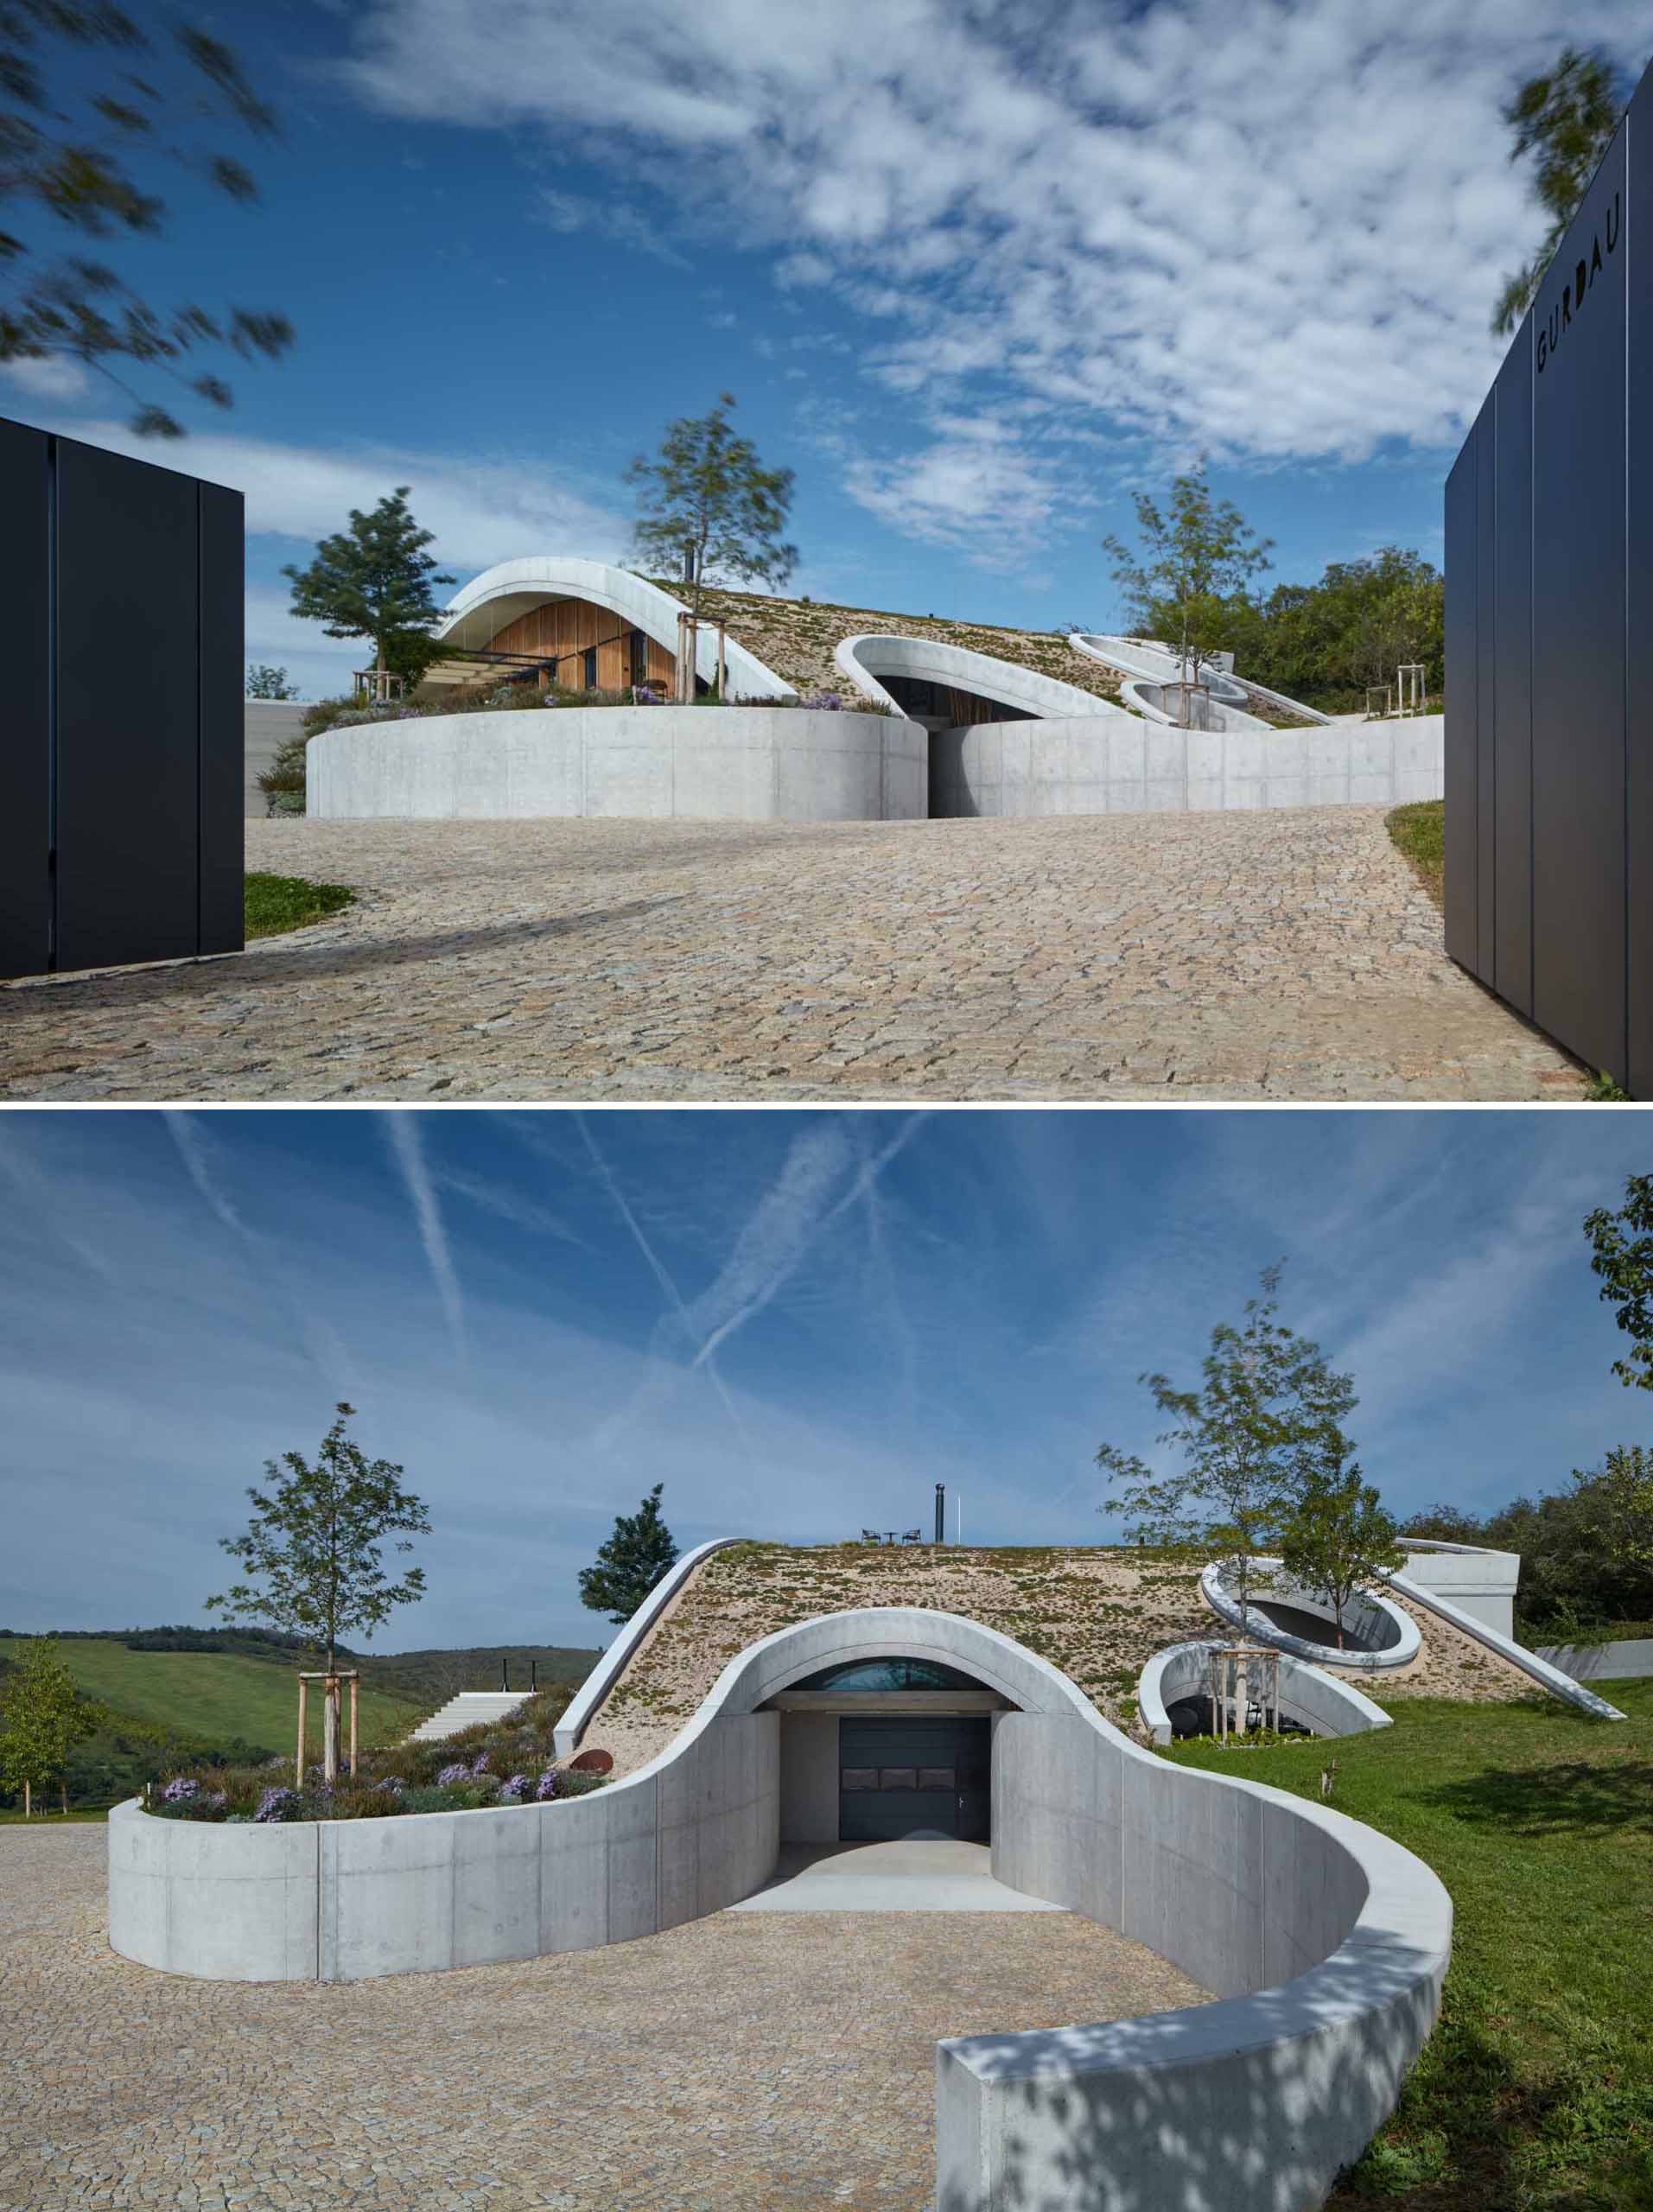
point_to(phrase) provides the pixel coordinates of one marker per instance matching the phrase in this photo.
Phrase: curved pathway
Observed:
(1267, 955)
(754, 2062)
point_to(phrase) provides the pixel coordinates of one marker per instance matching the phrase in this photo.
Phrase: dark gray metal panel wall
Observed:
(25, 720)
(1462, 711)
(1509, 971)
(1578, 657)
(1639, 764)
(128, 710)
(121, 825)
(1486, 682)
(223, 715)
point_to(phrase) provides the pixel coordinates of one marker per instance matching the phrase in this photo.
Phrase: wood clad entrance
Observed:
(909, 1773)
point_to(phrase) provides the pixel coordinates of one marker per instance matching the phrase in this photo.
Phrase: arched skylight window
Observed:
(890, 1674)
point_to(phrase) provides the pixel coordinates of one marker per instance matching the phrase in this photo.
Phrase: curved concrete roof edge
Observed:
(1151, 1701)
(1409, 1638)
(643, 605)
(872, 653)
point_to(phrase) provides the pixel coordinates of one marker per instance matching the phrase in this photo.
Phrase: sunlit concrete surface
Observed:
(918, 1874)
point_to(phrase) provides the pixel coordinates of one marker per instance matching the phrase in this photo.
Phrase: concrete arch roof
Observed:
(1309, 1695)
(1368, 1611)
(489, 602)
(867, 657)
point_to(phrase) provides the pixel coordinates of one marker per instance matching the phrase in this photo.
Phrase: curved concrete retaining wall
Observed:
(1327, 1943)
(1211, 709)
(1368, 1617)
(1115, 763)
(1308, 1695)
(1625, 1661)
(736, 764)
(1133, 656)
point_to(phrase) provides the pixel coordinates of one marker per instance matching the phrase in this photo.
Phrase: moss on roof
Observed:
(797, 637)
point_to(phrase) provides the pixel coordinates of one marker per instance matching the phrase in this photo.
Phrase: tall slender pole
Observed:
(353, 1686)
(722, 667)
(303, 1708)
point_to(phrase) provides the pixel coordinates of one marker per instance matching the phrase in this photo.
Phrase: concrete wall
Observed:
(1308, 1695)
(1626, 1660)
(1115, 763)
(269, 723)
(1327, 1943)
(1136, 656)
(809, 1778)
(1380, 1634)
(587, 1700)
(1202, 709)
(349, 1900)
(740, 764)
(1480, 1582)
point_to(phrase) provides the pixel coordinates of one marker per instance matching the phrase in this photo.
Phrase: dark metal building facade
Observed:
(120, 756)
(1549, 655)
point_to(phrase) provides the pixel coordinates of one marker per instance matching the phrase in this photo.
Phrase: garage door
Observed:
(906, 1774)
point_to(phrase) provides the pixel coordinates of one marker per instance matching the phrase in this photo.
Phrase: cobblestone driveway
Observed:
(751, 2063)
(1277, 956)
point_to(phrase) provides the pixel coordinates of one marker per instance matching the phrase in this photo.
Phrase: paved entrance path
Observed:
(919, 1874)
(750, 2063)
(1281, 955)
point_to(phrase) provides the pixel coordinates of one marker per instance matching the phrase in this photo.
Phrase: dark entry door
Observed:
(904, 1773)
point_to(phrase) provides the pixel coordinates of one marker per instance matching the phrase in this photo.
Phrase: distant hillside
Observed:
(216, 1695)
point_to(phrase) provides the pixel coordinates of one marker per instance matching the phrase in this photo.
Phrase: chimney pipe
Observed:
(941, 1513)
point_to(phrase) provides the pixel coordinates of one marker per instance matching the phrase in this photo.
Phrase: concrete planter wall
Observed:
(737, 763)
(1115, 763)
(1308, 1695)
(1326, 1943)
(1627, 1660)
(1478, 1581)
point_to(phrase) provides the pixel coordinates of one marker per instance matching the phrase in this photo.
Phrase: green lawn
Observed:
(1535, 2092)
(1420, 831)
(278, 903)
(218, 1695)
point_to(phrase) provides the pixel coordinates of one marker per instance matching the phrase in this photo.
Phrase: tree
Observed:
(265, 683)
(42, 1717)
(1445, 1524)
(315, 1550)
(630, 1561)
(1266, 1419)
(1567, 115)
(1194, 560)
(1339, 1536)
(373, 581)
(1622, 1255)
(709, 496)
(68, 136)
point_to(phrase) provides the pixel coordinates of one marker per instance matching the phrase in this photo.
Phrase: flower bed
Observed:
(505, 1763)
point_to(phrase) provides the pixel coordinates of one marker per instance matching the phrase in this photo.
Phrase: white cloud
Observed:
(49, 379)
(404, 1132)
(483, 508)
(626, 226)
(1269, 231)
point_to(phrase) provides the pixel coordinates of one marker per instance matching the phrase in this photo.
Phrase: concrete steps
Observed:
(466, 1710)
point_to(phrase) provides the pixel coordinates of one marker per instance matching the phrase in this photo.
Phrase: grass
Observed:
(276, 903)
(1535, 2092)
(217, 1696)
(1420, 832)
(46, 1809)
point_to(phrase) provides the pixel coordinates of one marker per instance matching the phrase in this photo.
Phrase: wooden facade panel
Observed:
(567, 627)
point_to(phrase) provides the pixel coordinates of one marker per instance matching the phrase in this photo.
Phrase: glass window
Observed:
(591, 668)
(889, 1675)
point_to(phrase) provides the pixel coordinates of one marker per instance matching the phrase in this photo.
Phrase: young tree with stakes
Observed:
(1194, 559)
(373, 581)
(707, 495)
(42, 1717)
(1338, 1537)
(83, 95)
(1266, 1417)
(630, 1561)
(314, 1551)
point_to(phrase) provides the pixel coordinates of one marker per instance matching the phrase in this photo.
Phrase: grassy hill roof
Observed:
(1097, 1614)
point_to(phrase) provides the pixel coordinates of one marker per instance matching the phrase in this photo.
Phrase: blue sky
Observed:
(799, 1322)
(974, 268)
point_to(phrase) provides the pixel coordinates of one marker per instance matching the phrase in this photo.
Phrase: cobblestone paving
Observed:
(1276, 955)
(750, 2062)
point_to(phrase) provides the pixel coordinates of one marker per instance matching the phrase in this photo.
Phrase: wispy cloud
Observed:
(626, 226)
(404, 1131)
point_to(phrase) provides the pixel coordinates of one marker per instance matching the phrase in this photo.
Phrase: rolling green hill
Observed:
(218, 1695)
